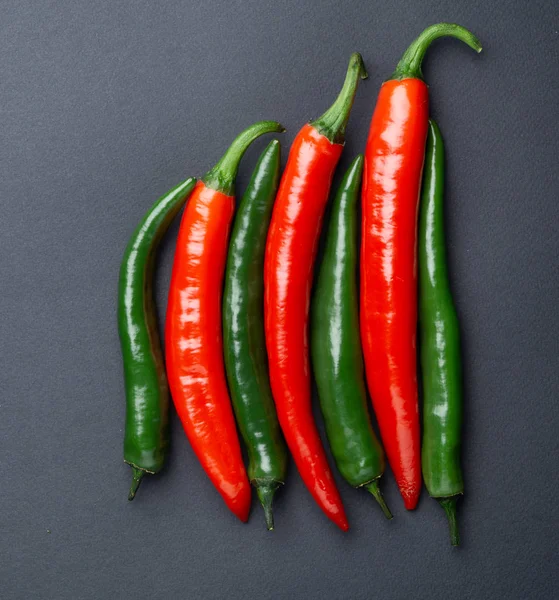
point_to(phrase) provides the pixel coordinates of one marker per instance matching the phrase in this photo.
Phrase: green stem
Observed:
(333, 122)
(222, 176)
(137, 476)
(449, 505)
(375, 490)
(266, 493)
(410, 64)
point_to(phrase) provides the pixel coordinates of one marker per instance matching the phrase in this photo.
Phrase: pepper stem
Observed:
(333, 122)
(137, 476)
(222, 176)
(449, 505)
(409, 66)
(266, 493)
(375, 490)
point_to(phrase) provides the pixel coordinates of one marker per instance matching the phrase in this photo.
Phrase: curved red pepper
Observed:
(193, 338)
(290, 252)
(390, 200)
(193, 344)
(391, 179)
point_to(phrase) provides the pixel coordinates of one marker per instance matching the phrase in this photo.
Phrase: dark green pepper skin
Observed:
(439, 337)
(243, 332)
(336, 346)
(147, 396)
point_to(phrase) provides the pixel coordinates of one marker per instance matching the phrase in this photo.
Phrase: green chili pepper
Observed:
(243, 330)
(147, 395)
(336, 347)
(439, 344)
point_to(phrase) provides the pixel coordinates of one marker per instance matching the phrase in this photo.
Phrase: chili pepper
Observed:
(147, 395)
(390, 197)
(439, 337)
(336, 348)
(246, 361)
(193, 339)
(290, 252)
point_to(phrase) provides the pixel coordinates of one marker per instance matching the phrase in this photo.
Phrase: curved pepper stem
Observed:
(333, 122)
(449, 505)
(409, 66)
(375, 490)
(222, 177)
(266, 493)
(137, 476)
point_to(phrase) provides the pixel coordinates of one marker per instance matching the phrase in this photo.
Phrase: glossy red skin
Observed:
(390, 201)
(290, 253)
(194, 349)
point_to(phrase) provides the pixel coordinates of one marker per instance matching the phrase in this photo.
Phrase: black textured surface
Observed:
(104, 106)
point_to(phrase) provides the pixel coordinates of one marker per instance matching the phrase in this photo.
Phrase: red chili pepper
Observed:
(290, 253)
(390, 200)
(193, 340)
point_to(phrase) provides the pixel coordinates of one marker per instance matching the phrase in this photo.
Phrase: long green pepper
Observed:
(439, 344)
(336, 347)
(146, 436)
(243, 332)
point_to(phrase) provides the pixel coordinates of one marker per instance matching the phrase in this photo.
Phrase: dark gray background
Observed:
(104, 106)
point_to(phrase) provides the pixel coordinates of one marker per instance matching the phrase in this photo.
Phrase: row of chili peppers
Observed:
(236, 335)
